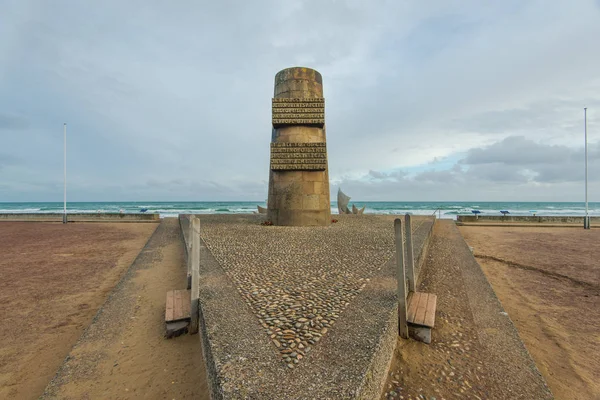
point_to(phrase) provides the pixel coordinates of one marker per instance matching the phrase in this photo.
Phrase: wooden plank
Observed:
(421, 308)
(401, 282)
(413, 300)
(430, 313)
(177, 308)
(169, 309)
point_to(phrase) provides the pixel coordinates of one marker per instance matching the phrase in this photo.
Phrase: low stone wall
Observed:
(91, 217)
(525, 219)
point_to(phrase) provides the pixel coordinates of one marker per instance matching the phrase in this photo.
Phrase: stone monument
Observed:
(298, 177)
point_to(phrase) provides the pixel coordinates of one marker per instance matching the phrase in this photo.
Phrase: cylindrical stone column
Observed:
(299, 178)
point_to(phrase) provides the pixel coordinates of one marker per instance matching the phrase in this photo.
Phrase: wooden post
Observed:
(402, 323)
(189, 252)
(195, 290)
(410, 261)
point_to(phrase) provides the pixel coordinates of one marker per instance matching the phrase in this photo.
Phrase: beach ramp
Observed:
(476, 351)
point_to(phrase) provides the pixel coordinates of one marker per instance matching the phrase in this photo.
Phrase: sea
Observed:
(441, 209)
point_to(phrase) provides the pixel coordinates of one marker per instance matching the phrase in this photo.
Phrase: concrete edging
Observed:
(529, 219)
(89, 217)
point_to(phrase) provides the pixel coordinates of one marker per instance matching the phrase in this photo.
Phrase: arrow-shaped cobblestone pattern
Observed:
(298, 280)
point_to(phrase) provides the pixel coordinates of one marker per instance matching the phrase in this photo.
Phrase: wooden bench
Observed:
(416, 310)
(182, 310)
(177, 312)
(420, 315)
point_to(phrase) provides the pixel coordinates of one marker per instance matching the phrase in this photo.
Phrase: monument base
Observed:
(299, 217)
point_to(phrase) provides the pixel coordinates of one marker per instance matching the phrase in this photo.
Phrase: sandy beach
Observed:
(548, 280)
(123, 354)
(53, 279)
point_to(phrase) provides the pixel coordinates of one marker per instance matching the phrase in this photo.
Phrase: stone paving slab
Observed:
(291, 312)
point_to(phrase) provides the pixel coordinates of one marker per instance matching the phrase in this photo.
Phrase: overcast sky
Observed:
(425, 100)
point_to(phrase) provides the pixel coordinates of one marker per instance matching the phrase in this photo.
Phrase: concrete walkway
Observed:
(476, 352)
(123, 354)
(304, 272)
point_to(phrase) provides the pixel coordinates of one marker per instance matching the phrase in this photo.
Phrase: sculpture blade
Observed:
(343, 201)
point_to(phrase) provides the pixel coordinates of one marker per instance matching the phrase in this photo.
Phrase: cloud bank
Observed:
(425, 101)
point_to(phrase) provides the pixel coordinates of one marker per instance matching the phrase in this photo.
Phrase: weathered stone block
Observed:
(313, 176)
(317, 187)
(287, 176)
(311, 202)
(308, 187)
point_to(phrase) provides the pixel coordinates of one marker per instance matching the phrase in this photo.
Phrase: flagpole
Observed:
(586, 221)
(65, 174)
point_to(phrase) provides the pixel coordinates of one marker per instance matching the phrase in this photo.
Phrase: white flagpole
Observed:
(65, 175)
(586, 222)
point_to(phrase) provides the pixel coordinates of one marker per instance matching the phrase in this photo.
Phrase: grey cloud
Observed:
(173, 183)
(547, 118)
(514, 158)
(434, 176)
(12, 122)
(377, 175)
(497, 172)
(7, 159)
(394, 175)
(164, 93)
(516, 150)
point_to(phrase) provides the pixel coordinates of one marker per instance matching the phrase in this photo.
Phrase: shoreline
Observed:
(514, 220)
(443, 210)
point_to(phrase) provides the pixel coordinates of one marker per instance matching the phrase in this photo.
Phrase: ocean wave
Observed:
(171, 209)
(19, 211)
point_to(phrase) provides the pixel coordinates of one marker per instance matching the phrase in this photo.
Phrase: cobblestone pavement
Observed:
(299, 280)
